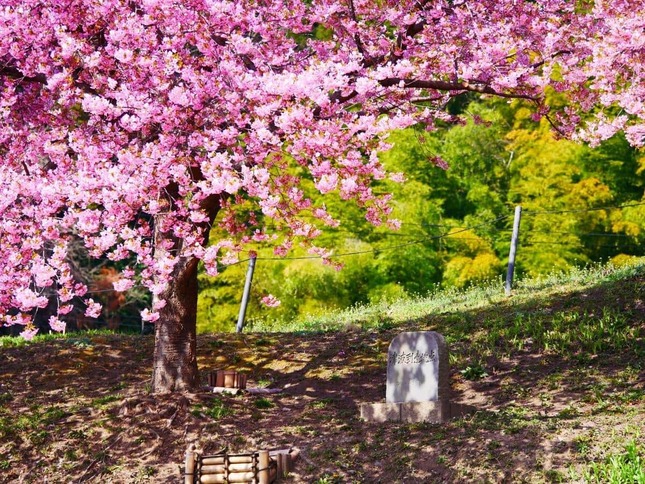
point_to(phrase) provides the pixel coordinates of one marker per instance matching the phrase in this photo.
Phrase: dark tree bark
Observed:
(175, 354)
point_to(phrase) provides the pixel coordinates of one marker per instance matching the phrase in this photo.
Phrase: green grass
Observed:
(474, 371)
(101, 402)
(263, 404)
(529, 292)
(215, 409)
(71, 338)
(624, 468)
(565, 331)
(33, 424)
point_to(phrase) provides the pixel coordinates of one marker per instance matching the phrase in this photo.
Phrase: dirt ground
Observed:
(80, 410)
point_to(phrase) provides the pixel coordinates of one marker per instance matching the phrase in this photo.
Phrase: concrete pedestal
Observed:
(437, 411)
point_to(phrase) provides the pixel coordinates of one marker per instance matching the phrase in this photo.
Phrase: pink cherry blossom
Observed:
(93, 309)
(27, 299)
(270, 301)
(29, 332)
(123, 284)
(56, 324)
(149, 316)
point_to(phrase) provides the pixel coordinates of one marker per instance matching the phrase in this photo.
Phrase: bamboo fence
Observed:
(260, 467)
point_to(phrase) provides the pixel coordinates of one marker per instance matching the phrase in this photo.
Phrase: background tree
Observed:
(138, 126)
(464, 238)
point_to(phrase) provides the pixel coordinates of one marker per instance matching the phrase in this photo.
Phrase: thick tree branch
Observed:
(450, 86)
(357, 39)
(13, 73)
(557, 54)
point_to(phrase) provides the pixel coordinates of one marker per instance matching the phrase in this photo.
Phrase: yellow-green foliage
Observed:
(462, 271)
(623, 260)
(456, 223)
(219, 300)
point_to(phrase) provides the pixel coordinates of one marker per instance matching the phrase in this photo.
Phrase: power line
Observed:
(530, 212)
(545, 242)
(344, 254)
(384, 249)
(580, 234)
(571, 244)
(355, 235)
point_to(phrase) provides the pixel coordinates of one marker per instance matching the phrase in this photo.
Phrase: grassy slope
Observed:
(556, 373)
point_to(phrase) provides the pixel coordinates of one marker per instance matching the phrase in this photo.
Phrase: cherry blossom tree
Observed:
(138, 125)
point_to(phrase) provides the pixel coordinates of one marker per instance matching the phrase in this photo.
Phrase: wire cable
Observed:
(541, 212)
(579, 234)
(383, 249)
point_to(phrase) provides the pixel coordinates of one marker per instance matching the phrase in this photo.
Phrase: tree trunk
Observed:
(175, 354)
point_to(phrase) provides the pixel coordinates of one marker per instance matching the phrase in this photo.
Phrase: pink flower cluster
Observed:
(137, 126)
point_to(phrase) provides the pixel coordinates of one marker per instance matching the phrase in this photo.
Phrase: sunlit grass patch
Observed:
(215, 409)
(450, 301)
(78, 339)
(626, 467)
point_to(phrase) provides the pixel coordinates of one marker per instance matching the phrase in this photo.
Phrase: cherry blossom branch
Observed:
(451, 86)
(13, 73)
(357, 39)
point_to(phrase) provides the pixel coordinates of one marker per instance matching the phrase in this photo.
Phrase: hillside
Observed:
(556, 374)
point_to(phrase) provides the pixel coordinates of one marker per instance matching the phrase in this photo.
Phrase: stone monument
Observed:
(418, 386)
(417, 368)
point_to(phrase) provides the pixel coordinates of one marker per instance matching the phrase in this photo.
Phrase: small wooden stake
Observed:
(284, 464)
(189, 474)
(263, 465)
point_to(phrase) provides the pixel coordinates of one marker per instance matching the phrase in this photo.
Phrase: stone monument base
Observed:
(437, 411)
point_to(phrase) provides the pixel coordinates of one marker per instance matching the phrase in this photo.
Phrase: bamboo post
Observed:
(189, 473)
(284, 464)
(511, 255)
(263, 467)
(245, 294)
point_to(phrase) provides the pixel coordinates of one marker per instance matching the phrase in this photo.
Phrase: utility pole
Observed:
(511, 255)
(245, 295)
